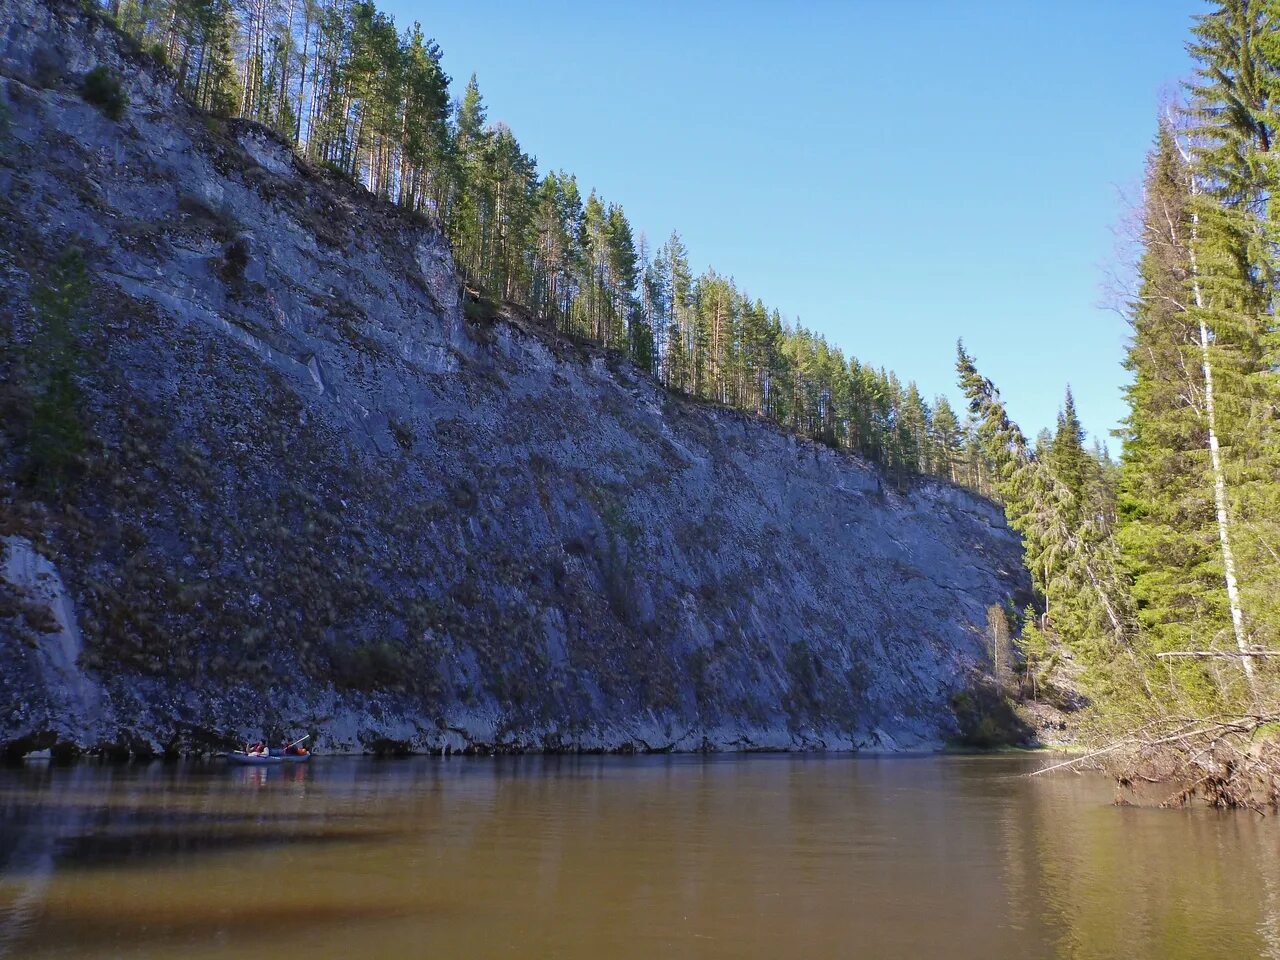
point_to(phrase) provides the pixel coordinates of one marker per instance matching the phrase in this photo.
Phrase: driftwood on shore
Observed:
(1224, 759)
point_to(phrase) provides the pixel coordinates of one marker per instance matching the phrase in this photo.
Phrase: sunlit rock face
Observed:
(316, 497)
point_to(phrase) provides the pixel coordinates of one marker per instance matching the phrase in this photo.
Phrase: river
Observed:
(766, 856)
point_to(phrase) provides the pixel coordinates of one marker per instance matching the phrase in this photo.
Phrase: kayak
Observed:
(251, 760)
(290, 757)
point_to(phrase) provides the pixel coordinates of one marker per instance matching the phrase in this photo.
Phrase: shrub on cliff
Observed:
(102, 89)
(987, 719)
(56, 432)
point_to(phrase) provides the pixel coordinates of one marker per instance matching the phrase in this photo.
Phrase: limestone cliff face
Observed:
(317, 497)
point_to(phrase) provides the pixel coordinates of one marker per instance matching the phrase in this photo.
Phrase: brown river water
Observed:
(777, 856)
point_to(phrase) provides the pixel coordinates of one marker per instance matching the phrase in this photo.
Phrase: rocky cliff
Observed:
(315, 495)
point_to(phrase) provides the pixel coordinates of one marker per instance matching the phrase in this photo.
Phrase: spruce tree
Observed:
(1233, 278)
(1167, 530)
(1001, 444)
(1069, 461)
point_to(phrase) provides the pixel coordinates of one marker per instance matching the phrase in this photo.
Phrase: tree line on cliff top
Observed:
(356, 94)
(1175, 549)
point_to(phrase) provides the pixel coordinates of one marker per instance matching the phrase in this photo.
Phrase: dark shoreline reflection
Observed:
(584, 857)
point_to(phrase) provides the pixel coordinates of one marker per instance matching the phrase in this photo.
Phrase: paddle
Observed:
(305, 736)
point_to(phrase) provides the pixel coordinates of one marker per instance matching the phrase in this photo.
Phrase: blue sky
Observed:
(896, 175)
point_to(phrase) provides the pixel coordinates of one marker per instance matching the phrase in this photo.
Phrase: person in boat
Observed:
(295, 749)
(257, 749)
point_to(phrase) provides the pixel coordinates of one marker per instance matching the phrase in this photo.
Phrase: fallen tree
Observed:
(1227, 760)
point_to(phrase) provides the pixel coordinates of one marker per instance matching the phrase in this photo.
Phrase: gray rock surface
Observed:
(318, 497)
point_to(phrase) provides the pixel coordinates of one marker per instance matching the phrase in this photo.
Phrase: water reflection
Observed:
(612, 857)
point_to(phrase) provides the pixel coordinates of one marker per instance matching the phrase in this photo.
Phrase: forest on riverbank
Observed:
(1157, 575)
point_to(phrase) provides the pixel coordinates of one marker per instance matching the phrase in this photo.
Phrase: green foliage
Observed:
(56, 436)
(807, 675)
(1167, 533)
(1060, 497)
(402, 433)
(997, 440)
(102, 88)
(1198, 477)
(480, 309)
(1133, 560)
(1234, 112)
(235, 258)
(1031, 640)
(987, 719)
(338, 170)
(375, 665)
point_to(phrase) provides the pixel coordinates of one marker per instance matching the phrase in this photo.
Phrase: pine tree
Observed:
(470, 222)
(426, 158)
(509, 223)
(677, 362)
(645, 338)
(913, 425)
(622, 276)
(655, 287)
(947, 438)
